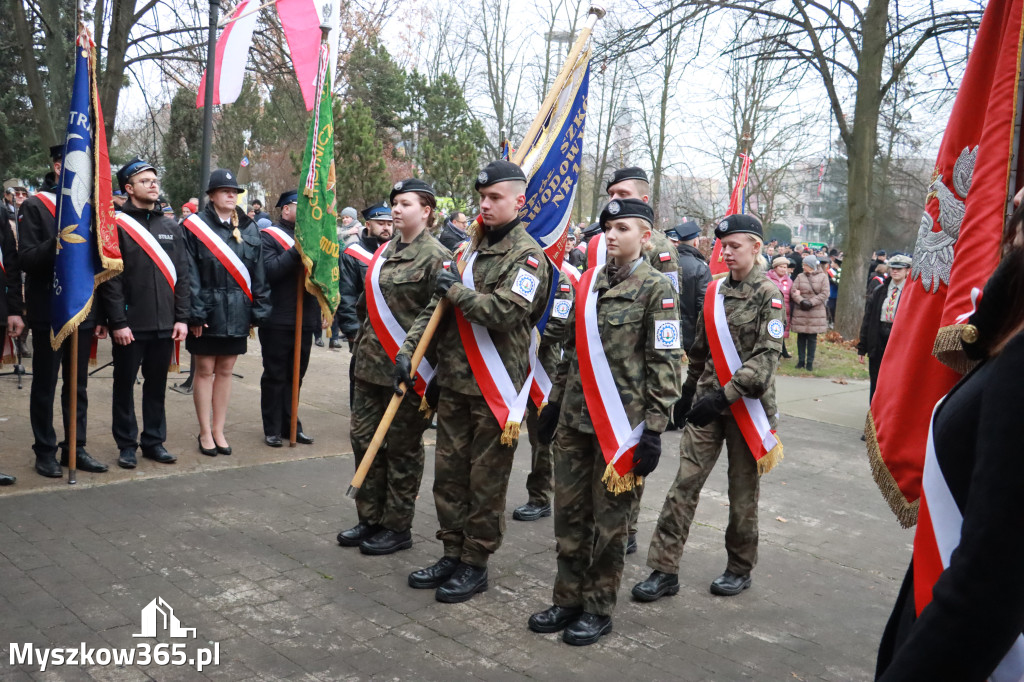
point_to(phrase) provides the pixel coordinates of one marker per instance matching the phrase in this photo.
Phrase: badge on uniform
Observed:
(666, 334)
(776, 329)
(561, 308)
(532, 262)
(525, 285)
(667, 303)
(674, 278)
(664, 256)
(564, 287)
(777, 303)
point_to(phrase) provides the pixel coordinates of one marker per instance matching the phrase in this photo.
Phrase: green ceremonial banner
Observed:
(316, 222)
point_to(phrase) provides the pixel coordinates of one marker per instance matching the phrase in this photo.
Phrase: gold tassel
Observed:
(949, 350)
(620, 484)
(906, 512)
(510, 434)
(541, 408)
(768, 462)
(425, 408)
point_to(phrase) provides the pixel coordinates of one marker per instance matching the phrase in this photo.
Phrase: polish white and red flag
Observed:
(231, 55)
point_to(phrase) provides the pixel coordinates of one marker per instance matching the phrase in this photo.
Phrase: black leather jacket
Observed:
(217, 300)
(283, 267)
(694, 277)
(351, 281)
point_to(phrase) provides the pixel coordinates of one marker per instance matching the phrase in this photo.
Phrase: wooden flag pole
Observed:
(293, 427)
(595, 13)
(71, 435)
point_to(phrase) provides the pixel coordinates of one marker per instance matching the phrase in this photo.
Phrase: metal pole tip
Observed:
(352, 492)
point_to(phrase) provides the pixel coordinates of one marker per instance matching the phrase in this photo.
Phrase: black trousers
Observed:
(276, 383)
(875, 358)
(806, 345)
(152, 353)
(46, 363)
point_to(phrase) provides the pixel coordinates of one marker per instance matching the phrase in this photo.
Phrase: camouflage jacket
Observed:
(647, 377)
(407, 283)
(663, 257)
(495, 304)
(549, 351)
(749, 311)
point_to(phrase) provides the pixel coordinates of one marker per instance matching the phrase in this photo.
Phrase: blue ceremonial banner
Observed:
(553, 165)
(87, 248)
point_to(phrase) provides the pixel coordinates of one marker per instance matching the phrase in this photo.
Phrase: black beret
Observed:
(289, 197)
(410, 185)
(499, 171)
(627, 208)
(739, 223)
(631, 173)
(57, 152)
(133, 167)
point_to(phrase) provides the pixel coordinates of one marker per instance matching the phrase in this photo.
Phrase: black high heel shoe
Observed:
(210, 452)
(226, 450)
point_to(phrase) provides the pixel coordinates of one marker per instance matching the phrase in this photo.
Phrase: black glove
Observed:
(682, 406)
(547, 421)
(806, 305)
(445, 280)
(707, 408)
(402, 374)
(647, 453)
(432, 394)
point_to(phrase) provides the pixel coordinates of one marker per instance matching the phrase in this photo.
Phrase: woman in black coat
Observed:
(976, 612)
(223, 311)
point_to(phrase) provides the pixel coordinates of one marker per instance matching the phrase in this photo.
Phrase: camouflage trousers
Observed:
(698, 452)
(634, 511)
(590, 525)
(538, 483)
(471, 471)
(388, 495)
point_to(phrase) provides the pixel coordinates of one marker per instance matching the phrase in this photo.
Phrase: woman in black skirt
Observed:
(229, 296)
(973, 610)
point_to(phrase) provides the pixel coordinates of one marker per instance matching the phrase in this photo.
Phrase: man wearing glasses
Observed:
(454, 231)
(146, 307)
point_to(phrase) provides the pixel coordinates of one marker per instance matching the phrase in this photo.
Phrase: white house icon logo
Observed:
(159, 612)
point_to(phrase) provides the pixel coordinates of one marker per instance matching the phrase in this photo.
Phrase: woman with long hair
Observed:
(399, 286)
(230, 296)
(960, 616)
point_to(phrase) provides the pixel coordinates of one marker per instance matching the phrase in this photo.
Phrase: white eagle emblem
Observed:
(80, 164)
(933, 253)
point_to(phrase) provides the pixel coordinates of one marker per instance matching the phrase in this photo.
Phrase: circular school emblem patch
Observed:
(614, 208)
(561, 308)
(776, 329)
(526, 283)
(398, 186)
(667, 334)
(723, 226)
(482, 178)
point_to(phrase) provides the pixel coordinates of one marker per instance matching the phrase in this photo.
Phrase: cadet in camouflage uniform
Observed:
(632, 183)
(549, 352)
(754, 312)
(472, 465)
(591, 523)
(387, 499)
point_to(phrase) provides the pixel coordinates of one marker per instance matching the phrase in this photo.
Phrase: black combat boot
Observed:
(587, 629)
(729, 584)
(554, 619)
(531, 511)
(656, 586)
(386, 542)
(354, 536)
(464, 583)
(434, 576)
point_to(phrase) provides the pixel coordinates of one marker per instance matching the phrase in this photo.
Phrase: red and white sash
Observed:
(388, 330)
(357, 250)
(2, 268)
(748, 412)
(231, 262)
(280, 236)
(507, 403)
(540, 387)
(617, 438)
(148, 243)
(939, 523)
(49, 200)
(572, 273)
(597, 251)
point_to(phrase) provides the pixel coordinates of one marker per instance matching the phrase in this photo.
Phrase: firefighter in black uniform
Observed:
(37, 250)
(283, 265)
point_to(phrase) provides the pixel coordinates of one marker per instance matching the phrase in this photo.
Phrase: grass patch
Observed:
(834, 359)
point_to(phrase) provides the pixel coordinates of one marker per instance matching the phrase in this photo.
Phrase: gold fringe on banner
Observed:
(949, 350)
(768, 462)
(620, 484)
(510, 434)
(906, 512)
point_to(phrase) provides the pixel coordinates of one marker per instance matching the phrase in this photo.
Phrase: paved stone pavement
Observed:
(243, 549)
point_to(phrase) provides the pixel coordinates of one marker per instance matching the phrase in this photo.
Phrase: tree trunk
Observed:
(36, 92)
(122, 18)
(860, 163)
